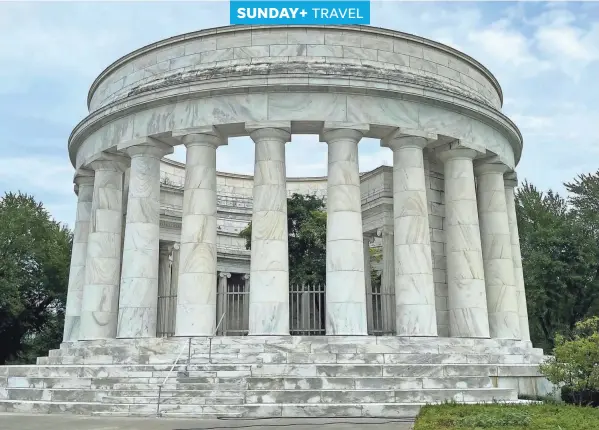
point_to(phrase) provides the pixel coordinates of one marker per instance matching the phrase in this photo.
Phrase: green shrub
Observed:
(575, 363)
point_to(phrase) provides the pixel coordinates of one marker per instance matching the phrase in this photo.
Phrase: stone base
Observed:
(278, 376)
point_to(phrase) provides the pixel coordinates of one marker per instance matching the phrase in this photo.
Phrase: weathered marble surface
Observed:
(510, 182)
(269, 264)
(99, 307)
(502, 297)
(399, 57)
(414, 285)
(311, 109)
(138, 298)
(84, 184)
(467, 300)
(346, 290)
(196, 296)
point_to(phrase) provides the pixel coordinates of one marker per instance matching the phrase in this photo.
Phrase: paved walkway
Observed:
(76, 422)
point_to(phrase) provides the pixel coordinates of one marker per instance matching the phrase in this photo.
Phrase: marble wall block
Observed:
(269, 264)
(346, 289)
(414, 284)
(84, 183)
(138, 298)
(502, 297)
(510, 183)
(196, 295)
(467, 300)
(99, 307)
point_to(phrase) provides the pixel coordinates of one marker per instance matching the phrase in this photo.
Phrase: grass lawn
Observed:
(507, 417)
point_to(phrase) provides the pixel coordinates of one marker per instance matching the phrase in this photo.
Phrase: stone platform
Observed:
(271, 376)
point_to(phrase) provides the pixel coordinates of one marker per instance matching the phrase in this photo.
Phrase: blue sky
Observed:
(545, 56)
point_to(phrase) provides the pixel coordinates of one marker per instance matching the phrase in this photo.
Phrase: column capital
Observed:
(82, 177)
(408, 138)
(274, 133)
(224, 275)
(147, 146)
(485, 167)
(259, 125)
(333, 131)
(109, 161)
(510, 180)
(386, 229)
(201, 136)
(246, 276)
(454, 151)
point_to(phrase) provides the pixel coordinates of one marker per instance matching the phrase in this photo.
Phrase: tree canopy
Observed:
(560, 256)
(307, 231)
(35, 254)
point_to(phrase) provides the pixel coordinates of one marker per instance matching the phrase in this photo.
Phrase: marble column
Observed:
(174, 285)
(388, 279)
(368, 283)
(196, 295)
(99, 307)
(510, 182)
(84, 188)
(165, 315)
(345, 287)
(467, 300)
(245, 302)
(502, 297)
(175, 271)
(414, 286)
(138, 299)
(223, 303)
(269, 264)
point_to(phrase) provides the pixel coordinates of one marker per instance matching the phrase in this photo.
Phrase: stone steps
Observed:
(270, 376)
(267, 358)
(372, 410)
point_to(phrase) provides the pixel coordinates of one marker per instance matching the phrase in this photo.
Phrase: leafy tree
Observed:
(35, 254)
(574, 364)
(560, 259)
(307, 235)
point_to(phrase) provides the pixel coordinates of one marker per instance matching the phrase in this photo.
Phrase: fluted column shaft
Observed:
(467, 301)
(502, 298)
(414, 286)
(345, 287)
(165, 312)
(99, 307)
(84, 184)
(368, 283)
(510, 184)
(222, 313)
(269, 264)
(387, 300)
(196, 295)
(138, 299)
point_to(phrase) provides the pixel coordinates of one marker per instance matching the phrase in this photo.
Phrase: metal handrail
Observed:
(160, 385)
(188, 360)
(214, 334)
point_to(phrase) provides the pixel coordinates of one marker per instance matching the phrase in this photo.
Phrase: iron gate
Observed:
(234, 303)
(307, 310)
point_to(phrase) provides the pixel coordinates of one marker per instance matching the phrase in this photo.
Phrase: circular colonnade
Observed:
(420, 98)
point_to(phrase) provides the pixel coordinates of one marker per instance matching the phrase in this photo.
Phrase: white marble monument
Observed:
(159, 269)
